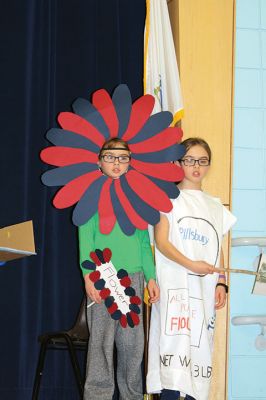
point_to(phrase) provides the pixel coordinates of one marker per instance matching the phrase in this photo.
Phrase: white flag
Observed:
(161, 75)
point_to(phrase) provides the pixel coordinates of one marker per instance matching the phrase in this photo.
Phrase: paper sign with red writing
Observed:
(180, 316)
(114, 287)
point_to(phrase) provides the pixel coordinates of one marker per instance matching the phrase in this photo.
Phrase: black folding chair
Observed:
(72, 340)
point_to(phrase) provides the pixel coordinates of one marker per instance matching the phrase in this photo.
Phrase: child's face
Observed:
(195, 173)
(113, 166)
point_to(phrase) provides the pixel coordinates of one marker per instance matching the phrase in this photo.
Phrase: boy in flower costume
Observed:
(119, 185)
(133, 253)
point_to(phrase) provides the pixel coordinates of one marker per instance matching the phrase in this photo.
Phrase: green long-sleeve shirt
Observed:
(132, 253)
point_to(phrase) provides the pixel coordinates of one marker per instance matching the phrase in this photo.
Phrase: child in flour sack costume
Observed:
(188, 249)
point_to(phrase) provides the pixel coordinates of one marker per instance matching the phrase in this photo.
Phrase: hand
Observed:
(220, 297)
(201, 267)
(92, 293)
(154, 291)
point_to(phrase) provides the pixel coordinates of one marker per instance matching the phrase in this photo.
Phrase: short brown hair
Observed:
(112, 143)
(194, 141)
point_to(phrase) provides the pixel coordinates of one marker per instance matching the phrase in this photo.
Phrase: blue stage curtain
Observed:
(52, 51)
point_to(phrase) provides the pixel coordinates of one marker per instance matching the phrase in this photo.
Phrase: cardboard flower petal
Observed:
(119, 297)
(134, 200)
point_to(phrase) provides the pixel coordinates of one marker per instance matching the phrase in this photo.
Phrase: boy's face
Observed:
(113, 166)
(195, 173)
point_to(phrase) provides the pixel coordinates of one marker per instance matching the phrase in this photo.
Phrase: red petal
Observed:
(61, 156)
(164, 139)
(135, 300)
(126, 281)
(104, 293)
(107, 254)
(123, 321)
(107, 217)
(72, 191)
(134, 317)
(133, 216)
(112, 308)
(103, 102)
(95, 276)
(95, 258)
(140, 113)
(165, 171)
(75, 123)
(148, 191)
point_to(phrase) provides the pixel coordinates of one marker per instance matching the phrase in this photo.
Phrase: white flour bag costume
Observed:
(182, 323)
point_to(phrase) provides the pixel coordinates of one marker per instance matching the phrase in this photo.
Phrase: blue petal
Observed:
(147, 212)
(88, 204)
(88, 265)
(126, 226)
(130, 321)
(130, 291)
(99, 285)
(155, 124)
(121, 273)
(109, 301)
(116, 315)
(169, 188)
(172, 153)
(62, 175)
(135, 308)
(87, 111)
(123, 103)
(99, 254)
(61, 137)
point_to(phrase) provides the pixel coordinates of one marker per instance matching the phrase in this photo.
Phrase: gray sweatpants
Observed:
(104, 332)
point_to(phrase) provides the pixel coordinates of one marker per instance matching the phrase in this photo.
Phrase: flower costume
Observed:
(115, 213)
(134, 200)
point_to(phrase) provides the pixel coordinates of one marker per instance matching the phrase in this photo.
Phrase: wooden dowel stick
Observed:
(238, 271)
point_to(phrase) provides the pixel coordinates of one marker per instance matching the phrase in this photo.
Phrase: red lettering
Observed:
(179, 323)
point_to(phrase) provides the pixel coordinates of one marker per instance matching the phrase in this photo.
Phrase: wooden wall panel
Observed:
(203, 32)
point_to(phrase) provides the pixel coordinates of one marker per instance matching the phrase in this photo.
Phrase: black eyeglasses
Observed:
(111, 159)
(190, 162)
